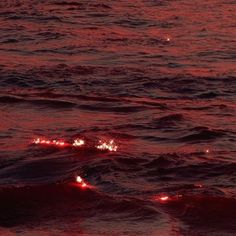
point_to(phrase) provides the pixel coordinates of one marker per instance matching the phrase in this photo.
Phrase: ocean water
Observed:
(155, 76)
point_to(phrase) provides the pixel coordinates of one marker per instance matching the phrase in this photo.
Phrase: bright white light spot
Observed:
(164, 198)
(78, 142)
(79, 179)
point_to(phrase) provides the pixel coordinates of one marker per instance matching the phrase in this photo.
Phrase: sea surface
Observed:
(156, 76)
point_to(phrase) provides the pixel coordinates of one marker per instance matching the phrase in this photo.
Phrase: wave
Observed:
(203, 134)
(21, 205)
(37, 102)
(205, 212)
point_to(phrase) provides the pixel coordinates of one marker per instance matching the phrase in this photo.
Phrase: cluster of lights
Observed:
(107, 146)
(78, 143)
(49, 142)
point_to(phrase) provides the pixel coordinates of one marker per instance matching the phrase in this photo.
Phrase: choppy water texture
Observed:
(156, 76)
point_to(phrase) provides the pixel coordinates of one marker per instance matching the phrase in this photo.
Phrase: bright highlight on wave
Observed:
(49, 142)
(107, 146)
(166, 198)
(104, 146)
(81, 182)
(163, 198)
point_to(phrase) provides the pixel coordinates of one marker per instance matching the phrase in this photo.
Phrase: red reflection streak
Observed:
(104, 146)
(50, 142)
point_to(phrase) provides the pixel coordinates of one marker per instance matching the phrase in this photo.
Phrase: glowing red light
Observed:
(207, 150)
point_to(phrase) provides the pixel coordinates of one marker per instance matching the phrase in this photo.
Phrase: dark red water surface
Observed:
(158, 77)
